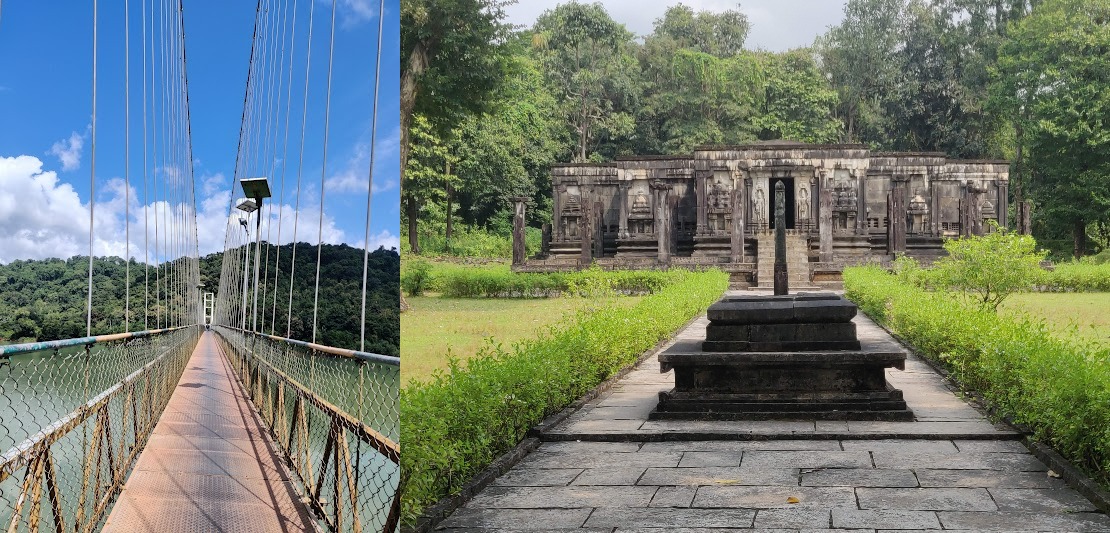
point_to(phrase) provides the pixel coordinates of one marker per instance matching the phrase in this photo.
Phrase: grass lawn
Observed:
(1084, 313)
(433, 326)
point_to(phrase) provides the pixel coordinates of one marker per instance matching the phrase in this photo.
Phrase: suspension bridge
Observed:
(203, 413)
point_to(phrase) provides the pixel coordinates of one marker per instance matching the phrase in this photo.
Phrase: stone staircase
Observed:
(797, 261)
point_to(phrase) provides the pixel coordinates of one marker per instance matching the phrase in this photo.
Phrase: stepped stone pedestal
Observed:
(782, 357)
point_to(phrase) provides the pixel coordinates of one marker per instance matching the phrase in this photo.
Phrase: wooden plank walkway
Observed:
(209, 464)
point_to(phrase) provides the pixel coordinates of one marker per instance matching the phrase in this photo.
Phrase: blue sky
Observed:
(45, 111)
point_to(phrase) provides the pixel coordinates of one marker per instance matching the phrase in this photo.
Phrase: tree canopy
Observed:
(974, 79)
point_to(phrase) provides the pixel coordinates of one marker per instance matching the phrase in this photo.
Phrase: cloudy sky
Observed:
(777, 25)
(45, 116)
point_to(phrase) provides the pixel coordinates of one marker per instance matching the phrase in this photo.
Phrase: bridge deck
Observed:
(209, 464)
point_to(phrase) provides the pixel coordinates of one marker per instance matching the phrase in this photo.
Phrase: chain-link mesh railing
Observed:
(74, 415)
(334, 415)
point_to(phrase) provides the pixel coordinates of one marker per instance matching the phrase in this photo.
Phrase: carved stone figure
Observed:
(803, 205)
(759, 207)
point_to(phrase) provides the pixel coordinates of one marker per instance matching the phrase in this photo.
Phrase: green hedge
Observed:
(460, 421)
(1060, 387)
(498, 281)
(1078, 276)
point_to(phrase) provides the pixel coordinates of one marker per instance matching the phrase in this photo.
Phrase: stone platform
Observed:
(790, 357)
(608, 468)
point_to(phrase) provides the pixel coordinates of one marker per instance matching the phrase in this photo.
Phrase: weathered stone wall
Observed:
(709, 206)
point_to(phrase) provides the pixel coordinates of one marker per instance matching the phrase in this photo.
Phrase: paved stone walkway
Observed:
(608, 469)
(209, 465)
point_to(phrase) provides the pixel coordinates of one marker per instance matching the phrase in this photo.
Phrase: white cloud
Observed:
(358, 11)
(212, 183)
(213, 222)
(68, 151)
(384, 239)
(354, 175)
(354, 13)
(42, 216)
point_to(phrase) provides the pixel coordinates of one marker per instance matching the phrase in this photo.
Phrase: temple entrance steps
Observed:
(797, 261)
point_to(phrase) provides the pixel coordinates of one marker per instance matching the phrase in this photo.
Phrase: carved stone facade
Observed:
(709, 207)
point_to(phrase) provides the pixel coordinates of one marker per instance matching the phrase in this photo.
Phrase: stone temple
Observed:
(844, 205)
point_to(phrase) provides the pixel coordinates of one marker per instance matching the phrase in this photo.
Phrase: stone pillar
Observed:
(1002, 205)
(659, 194)
(557, 193)
(896, 223)
(700, 187)
(749, 214)
(518, 229)
(934, 208)
(825, 213)
(781, 281)
(622, 229)
(861, 201)
(814, 203)
(965, 212)
(597, 213)
(975, 208)
(545, 239)
(896, 215)
(586, 227)
(736, 246)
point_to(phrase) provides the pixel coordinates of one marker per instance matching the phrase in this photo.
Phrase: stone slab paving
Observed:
(608, 469)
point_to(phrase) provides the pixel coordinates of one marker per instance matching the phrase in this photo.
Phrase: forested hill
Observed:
(45, 299)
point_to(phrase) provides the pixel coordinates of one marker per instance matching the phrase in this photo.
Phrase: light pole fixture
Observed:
(256, 189)
(247, 206)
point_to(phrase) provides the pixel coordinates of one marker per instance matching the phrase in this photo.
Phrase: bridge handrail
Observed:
(28, 347)
(382, 443)
(286, 404)
(20, 454)
(131, 404)
(342, 352)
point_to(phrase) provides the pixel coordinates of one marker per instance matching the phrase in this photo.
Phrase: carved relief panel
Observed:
(719, 203)
(641, 217)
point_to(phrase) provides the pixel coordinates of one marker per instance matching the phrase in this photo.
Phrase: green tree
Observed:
(717, 34)
(451, 60)
(696, 89)
(587, 58)
(859, 56)
(425, 179)
(1051, 78)
(509, 150)
(989, 268)
(797, 102)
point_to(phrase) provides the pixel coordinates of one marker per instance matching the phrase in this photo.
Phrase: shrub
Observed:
(1078, 276)
(990, 267)
(1058, 387)
(500, 282)
(461, 420)
(417, 277)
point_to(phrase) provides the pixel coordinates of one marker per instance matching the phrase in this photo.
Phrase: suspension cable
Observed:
(370, 183)
(146, 211)
(92, 183)
(300, 167)
(284, 165)
(127, 163)
(323, 174)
